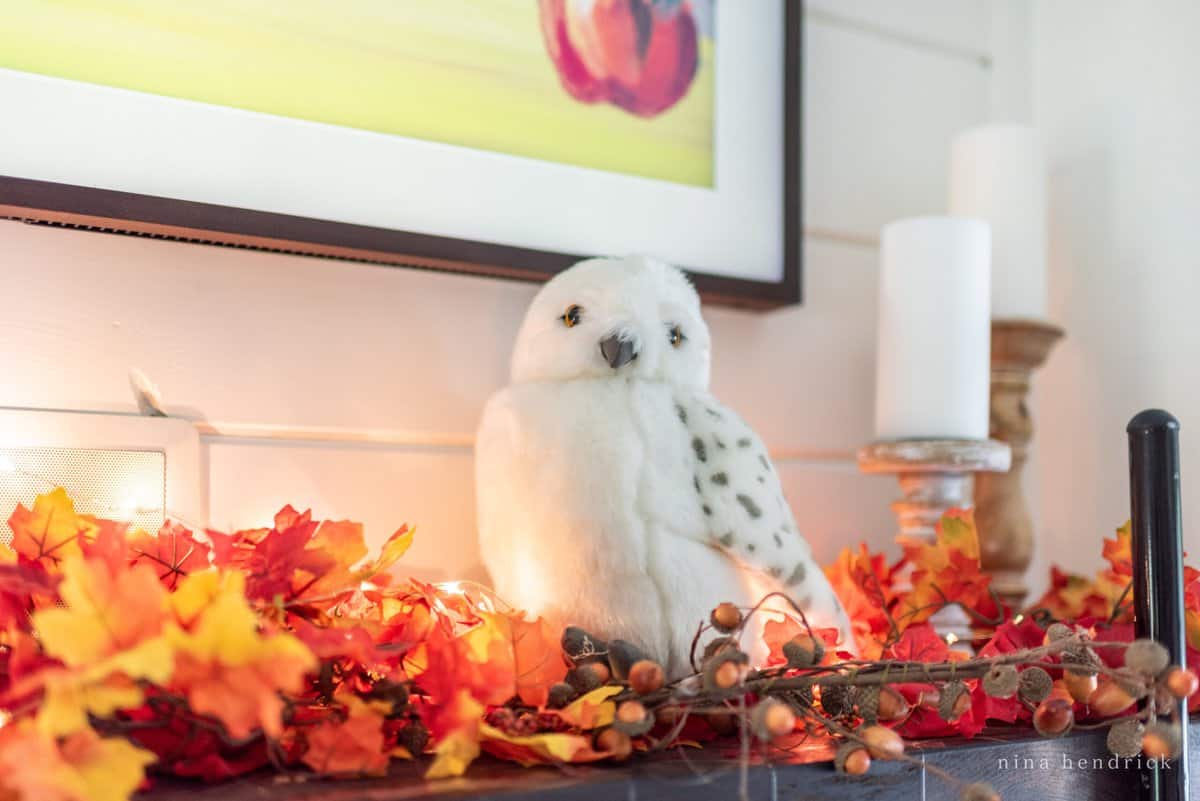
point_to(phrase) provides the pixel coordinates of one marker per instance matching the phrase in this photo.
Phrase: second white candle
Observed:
(934, 351)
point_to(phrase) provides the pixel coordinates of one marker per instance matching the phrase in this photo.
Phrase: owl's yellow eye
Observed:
(572, 316)
(677, 336)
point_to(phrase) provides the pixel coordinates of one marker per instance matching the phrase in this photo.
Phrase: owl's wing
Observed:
(743, 504)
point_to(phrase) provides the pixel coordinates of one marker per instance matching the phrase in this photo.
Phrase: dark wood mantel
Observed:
(713, 775)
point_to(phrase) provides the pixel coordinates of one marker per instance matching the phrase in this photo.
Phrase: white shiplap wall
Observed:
(252, 339)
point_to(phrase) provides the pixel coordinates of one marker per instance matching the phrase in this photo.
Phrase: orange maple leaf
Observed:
(82, 767)
(1119, 551)
(945, 571)
(51, 531)
(351, 746)
(863, 583)
(173, 552)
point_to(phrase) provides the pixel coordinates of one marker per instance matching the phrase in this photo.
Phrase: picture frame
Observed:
(110, 158)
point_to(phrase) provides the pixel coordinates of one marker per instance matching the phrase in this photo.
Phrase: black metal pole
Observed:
(1158, 567)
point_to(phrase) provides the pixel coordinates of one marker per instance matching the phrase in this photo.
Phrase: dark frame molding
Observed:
(111, 211)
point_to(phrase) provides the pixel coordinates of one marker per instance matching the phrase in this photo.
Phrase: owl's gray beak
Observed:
(617, 351)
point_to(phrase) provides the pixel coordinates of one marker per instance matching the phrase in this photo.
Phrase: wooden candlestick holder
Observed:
(1001, 513)
(935, 475)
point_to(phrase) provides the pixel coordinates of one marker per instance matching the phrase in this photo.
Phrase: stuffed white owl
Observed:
(614, 492)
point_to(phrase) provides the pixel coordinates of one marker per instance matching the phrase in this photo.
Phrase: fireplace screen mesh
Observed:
(121, 484)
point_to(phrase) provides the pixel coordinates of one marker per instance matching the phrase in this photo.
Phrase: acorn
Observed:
(1034, 685)
(646, 676)
(866, 701)
(633, 718)
(954, 702)
(892, 705)
(979, 791)
(882, 742)
(1058, 631)
(1001, 681)
(772, 719)
(1081, 660)
(579, 646)
(1160, 741)
(1053, 717)
(803, 651)
(560, 695)
(1109, 699)
(616, 742)
(413, 737)
(725, 617)
(719, 644)
(1147, 657)
(724, 669)
(622, 656)
(583, 679)
(837, 699)
(852, 759)
(1181, 682)
(1080, 685)
(1125, 738)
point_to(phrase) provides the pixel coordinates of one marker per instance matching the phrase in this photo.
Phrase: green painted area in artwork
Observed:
(473, 73)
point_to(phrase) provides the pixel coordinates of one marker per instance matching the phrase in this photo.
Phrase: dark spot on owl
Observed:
(720, 479)
(717, 441)
(682, 412)
(778, 540)
(766, 464)
(762, 479)
(714, 413)
(698, 447)
(775, 572)
(750, 506)
(696, 483)
(797, 574)
(805, 602)
(750, 547)
(726, 539)
(707, 509)
(744, 442)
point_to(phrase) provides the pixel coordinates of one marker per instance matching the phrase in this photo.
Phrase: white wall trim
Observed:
(971, 56)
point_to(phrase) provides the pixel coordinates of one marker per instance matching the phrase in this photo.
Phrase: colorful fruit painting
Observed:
(621, 86)
(640, 55)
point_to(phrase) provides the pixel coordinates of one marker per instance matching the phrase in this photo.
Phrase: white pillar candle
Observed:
(998, 174)
(931, 377)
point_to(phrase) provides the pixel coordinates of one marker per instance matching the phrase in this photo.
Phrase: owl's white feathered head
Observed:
(634, 317)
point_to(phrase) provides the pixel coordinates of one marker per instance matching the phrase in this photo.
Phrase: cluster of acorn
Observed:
(853, 702)
(1148, 675)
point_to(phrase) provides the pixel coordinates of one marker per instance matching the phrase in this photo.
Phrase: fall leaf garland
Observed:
(211, 655)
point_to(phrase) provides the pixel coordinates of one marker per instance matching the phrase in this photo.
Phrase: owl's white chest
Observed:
(588, 509)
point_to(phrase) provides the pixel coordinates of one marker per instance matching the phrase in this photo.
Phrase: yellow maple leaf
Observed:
(104, 615)
(395, 547)
(593, 710)
(68, 699)
(35, 766)
(458, 746)
(539, 749)
(225, 666)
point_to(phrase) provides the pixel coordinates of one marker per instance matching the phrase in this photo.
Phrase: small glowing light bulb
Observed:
(451, 588)
(1017, 620)
(951, 638)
